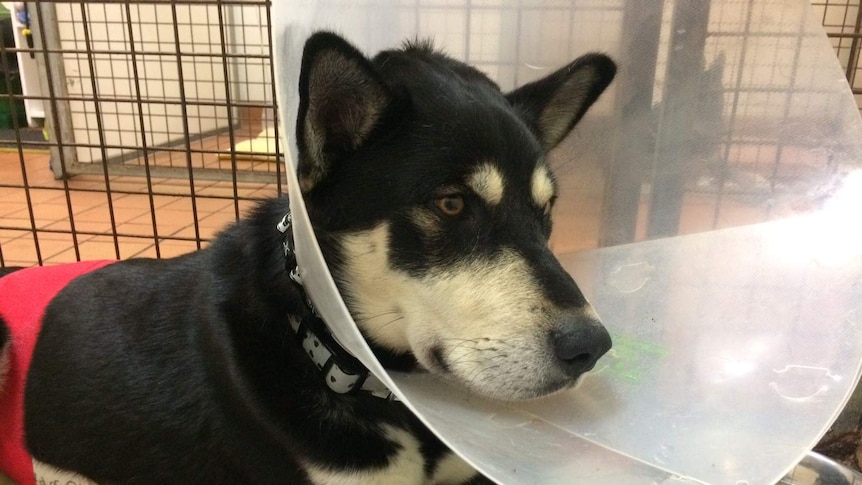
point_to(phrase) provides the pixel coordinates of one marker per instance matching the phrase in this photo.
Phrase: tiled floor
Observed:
(136, 218)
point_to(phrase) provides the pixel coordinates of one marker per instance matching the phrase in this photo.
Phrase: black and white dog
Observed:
(431, 196)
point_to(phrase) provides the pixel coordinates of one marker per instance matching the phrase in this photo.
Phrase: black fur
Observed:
(201, 345)
(186, 371)
(8, 269)
(4, 339)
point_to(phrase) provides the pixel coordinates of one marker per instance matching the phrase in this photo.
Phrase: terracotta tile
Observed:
(37, 196)
(141, 200)
(223, 189)
(131, 228)
(80, 226)
(102, 247)
(54, 244)
(203, 233)
(169, 249)
(8, 235)
(161, 201)
(44, 177)
(12, 200)
(91, 214)
(102, 213)
(96, 182)
(173, 186)
(82, 201)
(269, 191)
(168, 222)
(22, 249)
(14, 247)
(117, 182)
(35, 164)
(129, 184)
(47, 214)
(42, 196)
(218, 220)
(16, 194)
(177, 215)
(131, 246)
(19, 219)
(148, 252)
(60, 236)
(189, 232)
(130, 200)
(56, 213)
(203, 205)
(10, 167)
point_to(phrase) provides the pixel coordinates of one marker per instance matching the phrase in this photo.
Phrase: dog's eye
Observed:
(450, 205)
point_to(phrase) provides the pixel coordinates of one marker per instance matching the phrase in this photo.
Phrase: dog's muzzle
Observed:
(578, 343)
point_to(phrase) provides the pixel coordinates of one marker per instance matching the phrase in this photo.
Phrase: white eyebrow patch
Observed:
(488, 183)
(542, 185)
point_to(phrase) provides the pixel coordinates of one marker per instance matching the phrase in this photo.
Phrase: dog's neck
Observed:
(341, 370)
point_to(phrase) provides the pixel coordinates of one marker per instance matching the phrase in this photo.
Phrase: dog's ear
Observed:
(552, 105)
(341, 100)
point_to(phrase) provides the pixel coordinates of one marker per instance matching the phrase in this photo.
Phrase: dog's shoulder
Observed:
(242, 256)
(178, 336)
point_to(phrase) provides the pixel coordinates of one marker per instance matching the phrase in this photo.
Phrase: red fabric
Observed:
(24, 295)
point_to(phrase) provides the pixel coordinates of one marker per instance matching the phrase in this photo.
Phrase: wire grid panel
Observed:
(171, 77)
(160, 129)
(842, 20)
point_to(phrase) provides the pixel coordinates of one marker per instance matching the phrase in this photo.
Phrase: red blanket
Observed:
(24, 295)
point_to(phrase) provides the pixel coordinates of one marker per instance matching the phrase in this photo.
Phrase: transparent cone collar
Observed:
(734, 349)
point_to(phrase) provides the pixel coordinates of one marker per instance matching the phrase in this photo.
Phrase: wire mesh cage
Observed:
(157, 119)
(204, 82)
(842, 20)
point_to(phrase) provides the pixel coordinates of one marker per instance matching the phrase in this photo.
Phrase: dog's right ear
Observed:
(341, 100)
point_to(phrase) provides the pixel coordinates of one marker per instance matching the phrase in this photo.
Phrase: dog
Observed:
(431, 196)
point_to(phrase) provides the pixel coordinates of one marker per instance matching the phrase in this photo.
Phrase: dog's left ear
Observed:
(341, 101)
(553, 105)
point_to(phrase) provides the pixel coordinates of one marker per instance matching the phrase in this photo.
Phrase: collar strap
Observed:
(342, 372)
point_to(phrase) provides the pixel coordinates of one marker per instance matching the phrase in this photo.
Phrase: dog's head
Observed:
(431, 193)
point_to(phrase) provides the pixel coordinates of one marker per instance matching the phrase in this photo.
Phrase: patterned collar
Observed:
(342, 372)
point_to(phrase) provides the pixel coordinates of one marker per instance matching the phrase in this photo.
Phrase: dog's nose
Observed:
(579, 342)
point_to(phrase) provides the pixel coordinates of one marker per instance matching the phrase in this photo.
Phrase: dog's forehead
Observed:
(492, 182)
(449, 95)
(463, 126)
(419, 65)
(543, 186)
